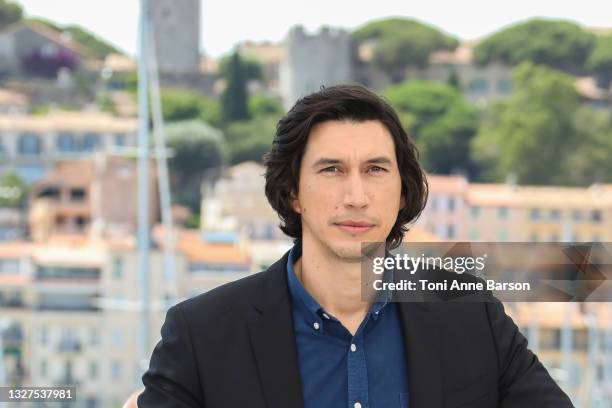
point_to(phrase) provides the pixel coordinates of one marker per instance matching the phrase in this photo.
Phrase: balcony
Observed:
(67, 308)
(66, 273)
(66, 302)
(69, 346)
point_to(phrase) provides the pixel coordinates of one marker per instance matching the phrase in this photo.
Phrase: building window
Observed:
(94, 336)
(596, 216)
(115, 370)
(555, 214)
(550, 339)
(81, 221)
(478, 85)
(502, 213)
(503, 235)
(577, 215)
(117, 338)
(433, 204)
(451, 204)
(29, 144)
(91, 142)
(77, 194)
(475, 212)
(581, 339)
(44, 335)
(69, 335)
(606, 339)
(120, 139)
(66, 143)
(450, 231)
(49, 192)
(117, 267)
(93, 370)
(504, 86)
(533, 237)
(43, 368)
(68, 373)
(534, 214)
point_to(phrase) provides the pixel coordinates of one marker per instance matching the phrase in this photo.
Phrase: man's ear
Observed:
(402, 202)
(295, 203)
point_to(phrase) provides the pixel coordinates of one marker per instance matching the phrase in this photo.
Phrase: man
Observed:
(341, 171)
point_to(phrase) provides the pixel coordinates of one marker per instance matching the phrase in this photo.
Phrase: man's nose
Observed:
(355, 193)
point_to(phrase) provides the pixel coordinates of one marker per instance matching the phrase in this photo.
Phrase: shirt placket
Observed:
(357, 372)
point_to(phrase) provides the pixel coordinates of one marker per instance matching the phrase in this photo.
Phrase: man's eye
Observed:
(378, 169)
(327, 169)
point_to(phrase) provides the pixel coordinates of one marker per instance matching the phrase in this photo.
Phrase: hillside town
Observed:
(69, 307)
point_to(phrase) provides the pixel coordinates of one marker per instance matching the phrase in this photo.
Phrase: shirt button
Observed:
(353, 347)
(316, 325)
(357, 405)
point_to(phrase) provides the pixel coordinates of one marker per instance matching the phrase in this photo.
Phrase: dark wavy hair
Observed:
(344, 103)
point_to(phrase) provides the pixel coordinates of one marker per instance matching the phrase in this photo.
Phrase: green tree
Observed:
(400, 43)
(105, 102)
(210, 111)
(180, 105)
(10, 13)
(44, 21)
(234, 97)
(252, 69)
(600, 60)
(262, 105)
(249, 140)
(559, 44)
(589, 159)
(531, 132)
(13, 190)
(100, 47)
(441, 122)
(453, 79)
(199, 151)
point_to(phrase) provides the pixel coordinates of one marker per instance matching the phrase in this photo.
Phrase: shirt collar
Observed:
(308, 305)
(302, 300)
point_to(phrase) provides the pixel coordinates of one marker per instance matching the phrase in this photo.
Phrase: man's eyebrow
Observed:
(327, 161)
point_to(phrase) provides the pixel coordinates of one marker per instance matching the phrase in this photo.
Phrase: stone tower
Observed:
(177, 34)
(312, 60)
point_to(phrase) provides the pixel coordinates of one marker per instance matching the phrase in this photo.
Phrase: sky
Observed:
(228, 22)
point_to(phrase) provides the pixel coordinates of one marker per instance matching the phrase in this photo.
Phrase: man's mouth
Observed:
(354, 226)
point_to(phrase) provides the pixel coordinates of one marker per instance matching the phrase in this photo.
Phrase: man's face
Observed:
(348, 176)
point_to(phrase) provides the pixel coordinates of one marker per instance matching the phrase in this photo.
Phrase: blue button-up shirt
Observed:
(337, 369)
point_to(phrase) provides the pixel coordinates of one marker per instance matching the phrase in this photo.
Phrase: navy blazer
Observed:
(234, 347)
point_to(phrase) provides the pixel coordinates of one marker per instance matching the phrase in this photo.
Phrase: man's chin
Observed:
(351, 250)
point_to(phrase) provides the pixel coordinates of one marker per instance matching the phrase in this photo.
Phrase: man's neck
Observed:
(336, 284)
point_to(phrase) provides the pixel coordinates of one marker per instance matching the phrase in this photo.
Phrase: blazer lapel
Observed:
(273, 341)
(422, 338)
